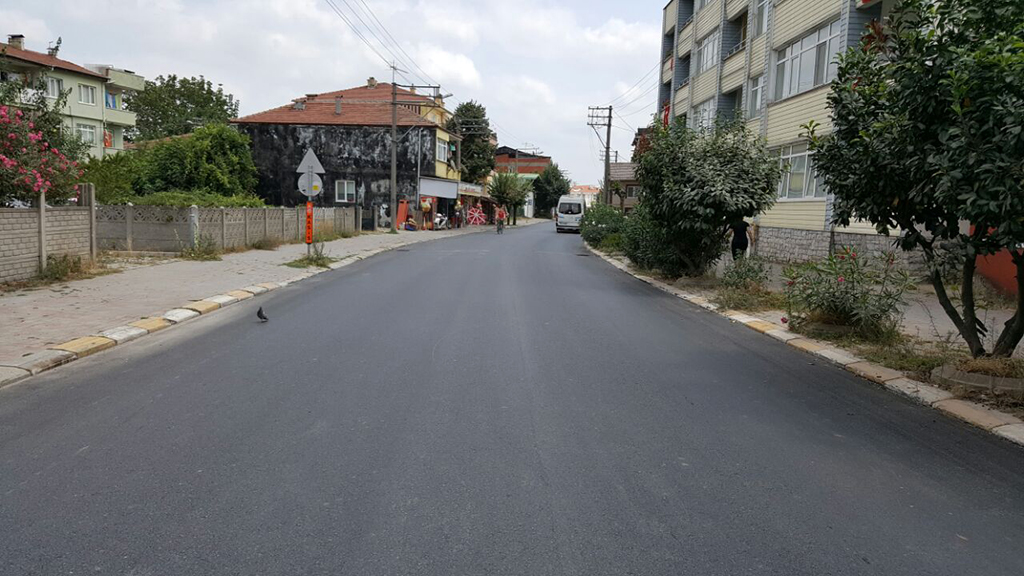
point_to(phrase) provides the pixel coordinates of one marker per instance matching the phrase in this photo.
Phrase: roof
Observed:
(622, 171)
(380, 92)
(509, 151)
(48, 61)
(584, 190)
(320, 111)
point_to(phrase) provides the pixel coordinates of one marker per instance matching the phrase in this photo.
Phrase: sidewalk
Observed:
(35, 319)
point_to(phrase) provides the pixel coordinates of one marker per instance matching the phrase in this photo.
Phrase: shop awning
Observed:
(439, 188)
(467, 189)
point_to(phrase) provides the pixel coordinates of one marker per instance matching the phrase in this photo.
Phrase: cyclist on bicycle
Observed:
(500, 219)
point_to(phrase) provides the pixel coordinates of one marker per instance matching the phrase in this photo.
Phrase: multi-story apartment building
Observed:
(769, 63)
(95, 106)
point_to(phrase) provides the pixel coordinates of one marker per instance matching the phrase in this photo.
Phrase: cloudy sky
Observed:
(535, 65)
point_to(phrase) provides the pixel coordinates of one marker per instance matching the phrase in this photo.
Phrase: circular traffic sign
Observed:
(311, 184)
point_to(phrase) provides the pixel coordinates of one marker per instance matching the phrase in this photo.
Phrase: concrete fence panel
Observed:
(29, 235)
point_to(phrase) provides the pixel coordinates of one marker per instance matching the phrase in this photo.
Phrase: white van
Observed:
(569, 213)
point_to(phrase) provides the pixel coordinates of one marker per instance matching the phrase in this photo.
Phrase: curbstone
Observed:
(976, 414)
(762, 326)
(151, 324)
(804, 344)
(1012, 432)
(122, 334)
(202, 306)
(741, 317)
(222, 299)
(10, 374)
(179, 315)
(782, 334)
(919, 391)
(874, 372)
(241, 294)
(256, 290)
(37, 362)
(838, 356)
(86, 345)
(269, 285)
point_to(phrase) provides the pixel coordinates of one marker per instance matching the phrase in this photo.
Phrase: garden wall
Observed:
(66, 229)
(790, 245)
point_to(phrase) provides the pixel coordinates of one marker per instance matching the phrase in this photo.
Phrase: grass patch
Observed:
(906, 355)
(1001, 367)
(317, 257)
(205, 250)
(59, 268)
(749, 300)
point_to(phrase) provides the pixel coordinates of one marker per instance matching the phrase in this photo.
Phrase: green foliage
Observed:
(647, 245)
(928, 131)
(549, 186)
(115, 176)
(508, 189)
(745, 286)
(204, 250)
(170, 106)
(611, 243)
(60, 267)
(848, 289)
(200, 198)
(470, 121)
(696, 182)
(599, 221)
(619, 192)
(747, 273)
(317, 257)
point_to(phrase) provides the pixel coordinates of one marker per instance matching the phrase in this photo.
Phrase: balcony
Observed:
(666, 70)
(119, 117)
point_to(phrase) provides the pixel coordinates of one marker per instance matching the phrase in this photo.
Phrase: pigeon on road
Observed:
(261, 315)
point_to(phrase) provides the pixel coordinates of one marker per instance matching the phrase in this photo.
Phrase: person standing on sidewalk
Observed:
(741, 233)
(500, 219)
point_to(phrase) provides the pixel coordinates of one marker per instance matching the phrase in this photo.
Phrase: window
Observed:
(754, 97)
(632, 191)
(86, 132)
(702, 4)
(807, 63)
(800, 179)
(707, 51)
(344, 191)
(570, 208)
(442, 150)
(54, 86)
(760, 18)
(86, 94)
(704, 114)
(110, 100)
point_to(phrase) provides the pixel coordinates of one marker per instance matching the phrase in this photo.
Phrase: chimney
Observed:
(371, 82)
(52, 50)
(299, 104)
(16, 41)
(337, 106)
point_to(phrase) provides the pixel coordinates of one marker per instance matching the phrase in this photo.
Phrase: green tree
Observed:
(927, 133)
(548, 187)
(508, 190)
(620, 192)
(471, 123)
(171, 105)
(696, 183)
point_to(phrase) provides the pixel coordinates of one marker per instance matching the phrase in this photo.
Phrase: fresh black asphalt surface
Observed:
(489, 405)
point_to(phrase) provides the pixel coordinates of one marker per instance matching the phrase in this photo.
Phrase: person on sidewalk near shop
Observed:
(741, 233)
(500, 219)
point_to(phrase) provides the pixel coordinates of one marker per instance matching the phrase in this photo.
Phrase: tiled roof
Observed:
(622, 171)
(321, 111)
(381, 92)
(47, 60)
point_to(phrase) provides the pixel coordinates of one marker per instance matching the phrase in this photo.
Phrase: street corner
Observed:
(86, 345)
(152, 325)
(202, 306)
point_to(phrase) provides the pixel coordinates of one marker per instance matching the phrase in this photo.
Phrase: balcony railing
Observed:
(737, 48)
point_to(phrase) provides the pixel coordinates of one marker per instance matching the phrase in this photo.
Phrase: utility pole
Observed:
(598, 119)
(394, 151)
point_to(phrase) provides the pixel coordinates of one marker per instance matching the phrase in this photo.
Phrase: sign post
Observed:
(310, 185)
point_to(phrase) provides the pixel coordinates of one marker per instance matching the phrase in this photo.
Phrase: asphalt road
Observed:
(489, 405)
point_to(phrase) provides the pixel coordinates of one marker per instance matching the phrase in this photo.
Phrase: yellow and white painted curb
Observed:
(999, 423)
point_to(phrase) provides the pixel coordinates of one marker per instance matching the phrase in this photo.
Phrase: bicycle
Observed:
(501, 226)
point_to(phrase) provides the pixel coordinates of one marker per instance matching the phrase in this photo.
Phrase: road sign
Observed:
(310, 184)
(309, 222)
(310, 163)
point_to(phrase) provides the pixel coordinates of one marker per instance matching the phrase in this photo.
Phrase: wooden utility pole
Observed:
(597, 119)
(394, 152)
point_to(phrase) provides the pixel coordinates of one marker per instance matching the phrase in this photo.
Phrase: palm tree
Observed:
(508, 190)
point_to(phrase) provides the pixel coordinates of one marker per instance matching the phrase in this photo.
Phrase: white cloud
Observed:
(17, 22)
(447, 67)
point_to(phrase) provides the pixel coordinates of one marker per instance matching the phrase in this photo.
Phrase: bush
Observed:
(29, 165)
(750, 273)
(61, 267)
(646, 243)
(600, 220)
(204, 250)
(848, 290)
(201, 198)
(611, 243)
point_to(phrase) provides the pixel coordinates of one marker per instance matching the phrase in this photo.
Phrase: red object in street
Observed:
(309, 222)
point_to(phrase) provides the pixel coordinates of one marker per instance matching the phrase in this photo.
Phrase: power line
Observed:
(630, 103)
(624, 121)
(356, 30)
(638, 82)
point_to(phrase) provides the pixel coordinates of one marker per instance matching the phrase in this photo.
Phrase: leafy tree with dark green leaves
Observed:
(170, 106)
(927, 119)
(470, 122)
(508, 190)
(697, 182)
(620, 193)
(548, 187)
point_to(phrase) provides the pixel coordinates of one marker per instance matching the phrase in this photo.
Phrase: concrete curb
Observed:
(994, 421)
(18, 369)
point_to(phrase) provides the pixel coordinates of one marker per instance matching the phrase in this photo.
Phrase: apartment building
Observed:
(769, 63)
(95, 108)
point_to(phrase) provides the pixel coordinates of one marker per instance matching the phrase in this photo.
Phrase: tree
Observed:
(927, 133)
(508, 190)
(170, 106)
(548, 187)
(471, 123)
(619, 191)
(696, 183)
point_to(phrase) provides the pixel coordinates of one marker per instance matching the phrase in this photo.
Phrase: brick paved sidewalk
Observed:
(32, 320)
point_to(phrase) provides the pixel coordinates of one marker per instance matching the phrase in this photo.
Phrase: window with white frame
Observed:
(86, 94)
(808, 62)
(755, 95)
(442, 150)
(86, 132)
(799, 179)
(704, 114)
(760, 18)
(708, 51)
(54, 86)
(632, 191)
(344, 191)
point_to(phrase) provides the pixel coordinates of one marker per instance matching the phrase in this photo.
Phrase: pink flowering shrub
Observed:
(847, 290)
(29, 165)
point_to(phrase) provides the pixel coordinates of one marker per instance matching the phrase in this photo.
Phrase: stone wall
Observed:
(68, 230)
(789, 245)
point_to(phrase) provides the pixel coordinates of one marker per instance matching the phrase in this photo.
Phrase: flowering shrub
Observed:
(847, 289)
(599, 221)
(29, 165)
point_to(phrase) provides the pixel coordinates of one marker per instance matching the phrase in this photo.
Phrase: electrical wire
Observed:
(637, 83)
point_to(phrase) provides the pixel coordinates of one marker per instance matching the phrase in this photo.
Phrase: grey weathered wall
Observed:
(358, 153)
(68, 231)
(793, 246)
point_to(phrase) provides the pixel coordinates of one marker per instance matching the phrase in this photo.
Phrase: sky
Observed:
(536, 66)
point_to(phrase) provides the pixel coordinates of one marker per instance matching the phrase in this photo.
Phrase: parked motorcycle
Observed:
(441, 222)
